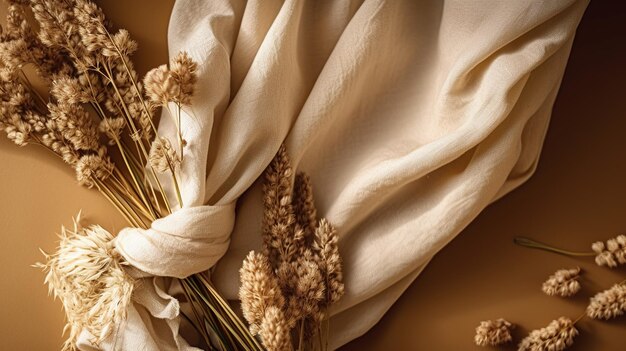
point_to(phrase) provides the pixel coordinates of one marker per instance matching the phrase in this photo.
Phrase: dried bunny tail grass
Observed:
(160, 85)
(329, 261)
(609, 303)
(493, 333)
(557, 336)
(278, 216)
(273, 330)
(91, 168)
(563, 282)
(611, 254)
(259, 289)
(86, 273)
(184, 70)
(162, 156)
(304, 205)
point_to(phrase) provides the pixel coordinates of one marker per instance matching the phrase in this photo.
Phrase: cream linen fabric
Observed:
(409, 116)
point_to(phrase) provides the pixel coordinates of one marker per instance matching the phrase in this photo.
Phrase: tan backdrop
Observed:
(578, 195)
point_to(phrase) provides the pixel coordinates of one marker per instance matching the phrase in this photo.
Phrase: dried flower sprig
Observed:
(303, 259)
(557, 336)
(87, 274)
(563, 282)
(610, 254)
(609, 303)
(493, 332)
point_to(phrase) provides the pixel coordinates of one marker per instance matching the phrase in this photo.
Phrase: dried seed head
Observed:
(304, 205)
(92, 167)
(112, 127)
(611, 254)
(163, 156)
(69, 91)
(328, 259)
(563, 282)
(557, 336)
(161, 86)
(493, 333)
(75, 125)
(609, 303)
(259, 289)
(184, 71)
(273, 330)
(87, 275)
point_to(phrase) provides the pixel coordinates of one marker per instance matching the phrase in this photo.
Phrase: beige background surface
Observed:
(578, 195)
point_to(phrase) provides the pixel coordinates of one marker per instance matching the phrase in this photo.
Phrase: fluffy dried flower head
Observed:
(163, 156)
(87, 275)
(161, 86)
(259, 289)
(75, 125)
(69, 91)
(493, 333)
(557, 336)
(112, 127)
(122, 44)
(92, 167)
(611, 254)
(308, 288)
(609, 303)
(563, 282)
(184, 70)
(274, 332)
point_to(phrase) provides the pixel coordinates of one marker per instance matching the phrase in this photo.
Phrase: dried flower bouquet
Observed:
(97, 116)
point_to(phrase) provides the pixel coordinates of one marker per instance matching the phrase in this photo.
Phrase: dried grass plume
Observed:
(87, 275)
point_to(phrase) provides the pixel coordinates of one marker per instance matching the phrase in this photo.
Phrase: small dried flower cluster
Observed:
(563, 282)
(493, 333)
(298, 274)
(609, 303)
(87, 275)
(557, 336)
(612, 253)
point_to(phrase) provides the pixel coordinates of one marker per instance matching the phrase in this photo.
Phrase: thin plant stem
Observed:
(530, 243)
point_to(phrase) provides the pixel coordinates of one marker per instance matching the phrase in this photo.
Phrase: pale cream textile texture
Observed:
(409, 116)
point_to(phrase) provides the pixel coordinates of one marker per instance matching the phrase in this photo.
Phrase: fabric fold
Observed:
(188, 241)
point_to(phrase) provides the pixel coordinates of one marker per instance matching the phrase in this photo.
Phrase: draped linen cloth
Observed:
(409, 116)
